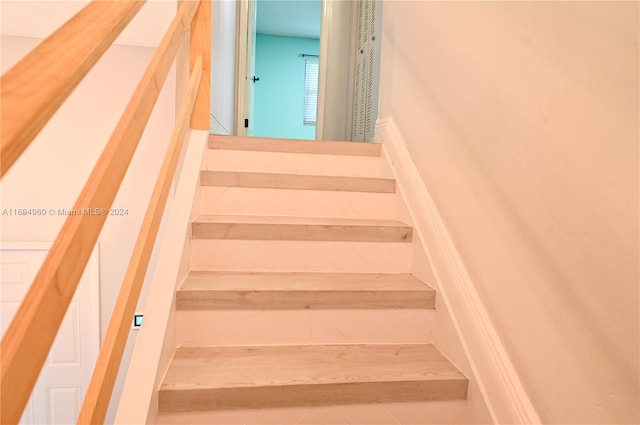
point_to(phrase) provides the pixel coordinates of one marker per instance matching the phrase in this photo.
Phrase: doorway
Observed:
(279, 90)
(348, 67)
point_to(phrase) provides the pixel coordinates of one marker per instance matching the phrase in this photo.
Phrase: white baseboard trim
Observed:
(502, 390)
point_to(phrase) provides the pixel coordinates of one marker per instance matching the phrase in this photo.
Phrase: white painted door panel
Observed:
(58, 393)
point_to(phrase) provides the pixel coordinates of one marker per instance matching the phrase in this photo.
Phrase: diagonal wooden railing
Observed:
(26, 107)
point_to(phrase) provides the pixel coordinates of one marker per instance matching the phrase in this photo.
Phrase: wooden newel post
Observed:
(201, 45)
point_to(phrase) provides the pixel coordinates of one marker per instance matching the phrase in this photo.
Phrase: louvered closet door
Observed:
(366, 71)
(360, 87)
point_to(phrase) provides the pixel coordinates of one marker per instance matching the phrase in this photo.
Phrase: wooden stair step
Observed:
(205, 290)
(278, 376)
(293, 146)
(240, 227)
(297, 181)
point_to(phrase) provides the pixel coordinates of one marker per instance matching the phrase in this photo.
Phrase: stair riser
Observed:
(291, 202)
(206, 328)
(300, 256)
(290, 146)
(423, 413)
(309, 395)
(294, 163)
(296, 181)
(300, 232)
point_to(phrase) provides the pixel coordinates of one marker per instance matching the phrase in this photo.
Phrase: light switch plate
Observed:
(138, 318)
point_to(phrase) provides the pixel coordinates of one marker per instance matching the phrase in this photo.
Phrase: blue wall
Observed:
(278, 101)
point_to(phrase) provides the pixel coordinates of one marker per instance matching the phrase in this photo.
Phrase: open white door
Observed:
(60, 389)
(246, 65)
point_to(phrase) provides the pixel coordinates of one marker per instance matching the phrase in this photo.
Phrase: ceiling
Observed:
(291, 18)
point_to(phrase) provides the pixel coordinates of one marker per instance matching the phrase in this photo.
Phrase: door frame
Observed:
(242, 7)
(325, 19)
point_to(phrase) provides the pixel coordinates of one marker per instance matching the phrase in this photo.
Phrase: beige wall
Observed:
(522, 118)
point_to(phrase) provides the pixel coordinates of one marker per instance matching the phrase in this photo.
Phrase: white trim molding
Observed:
(491, 367)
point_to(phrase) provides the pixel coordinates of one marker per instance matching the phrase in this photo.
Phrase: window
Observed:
(310, 91)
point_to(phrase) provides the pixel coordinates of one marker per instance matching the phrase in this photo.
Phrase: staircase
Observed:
(300, 292)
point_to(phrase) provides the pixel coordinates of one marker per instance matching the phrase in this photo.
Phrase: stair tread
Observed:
(293, 146)
(282, 366)
(290, 220)
(297, 181)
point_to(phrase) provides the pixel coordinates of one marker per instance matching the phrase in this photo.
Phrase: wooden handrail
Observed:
(30, 335)
(33, 90)
(200, 45)
(104, 376)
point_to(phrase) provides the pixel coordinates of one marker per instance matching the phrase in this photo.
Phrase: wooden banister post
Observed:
(200, 45)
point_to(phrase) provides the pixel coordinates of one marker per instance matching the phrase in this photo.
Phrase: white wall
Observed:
(522, 118)
(52, 171)
(223, 69)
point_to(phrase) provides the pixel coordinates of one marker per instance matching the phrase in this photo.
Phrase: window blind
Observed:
(310, 91)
